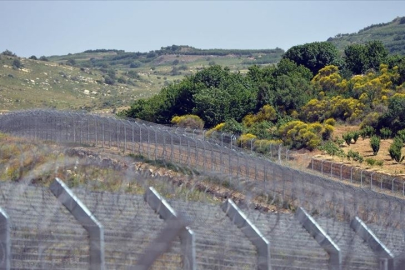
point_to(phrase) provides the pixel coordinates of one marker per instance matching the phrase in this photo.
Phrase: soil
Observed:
(362, 146)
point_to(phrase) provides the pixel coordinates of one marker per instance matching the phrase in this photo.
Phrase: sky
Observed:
(61, 27)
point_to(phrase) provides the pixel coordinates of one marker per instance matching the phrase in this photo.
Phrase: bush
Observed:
(371, 161)
(327, 132)
(332, 149)
(135, 64)
(233, 126)
(348, 137)
(17, 64)
(33, 57)
(246, 140)
(356, 135)
(188, 121)
(43, 58)
(355, 156)
(385, 133)
(379, 163)
(395, 150)
(330, 121)
(367, 131)
(401, 134)
(375, 144)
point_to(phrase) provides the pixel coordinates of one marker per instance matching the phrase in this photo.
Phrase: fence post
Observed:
(321, 237)
(125, 137)
(165, 211)
(5, 253)
(83, 215)
(251, 232)
(385, 255)
(371, 181)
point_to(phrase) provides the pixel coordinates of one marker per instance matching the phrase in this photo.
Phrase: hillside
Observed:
(392, 35)
(109, 79)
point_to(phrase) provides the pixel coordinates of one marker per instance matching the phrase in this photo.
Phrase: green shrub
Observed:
(367, 131)
(385, 133)
(371, 161)
(332, 149)
(379, 163)
(330, 121)
(355, 156)
(401, 134)
(348, 137)
(395, 150)
(375, 144)
(356, 135)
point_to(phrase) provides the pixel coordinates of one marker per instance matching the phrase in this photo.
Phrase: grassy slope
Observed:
(53, 84)
(392, 35)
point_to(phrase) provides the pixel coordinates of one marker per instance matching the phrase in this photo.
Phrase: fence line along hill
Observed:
(329, 225)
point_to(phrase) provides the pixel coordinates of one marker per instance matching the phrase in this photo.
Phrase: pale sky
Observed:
(61, 27)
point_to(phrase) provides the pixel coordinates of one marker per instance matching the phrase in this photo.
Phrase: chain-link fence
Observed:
(103, 159)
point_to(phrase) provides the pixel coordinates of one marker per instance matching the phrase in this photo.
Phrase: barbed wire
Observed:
(110, 163)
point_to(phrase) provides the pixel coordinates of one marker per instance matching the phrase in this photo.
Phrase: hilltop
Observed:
(391, 34)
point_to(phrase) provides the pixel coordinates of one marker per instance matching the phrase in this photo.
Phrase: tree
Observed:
(360, 58)
(33, 57)
(8, 53)
(394, 118)
(43, 58)
(376, 54)
(314, 56)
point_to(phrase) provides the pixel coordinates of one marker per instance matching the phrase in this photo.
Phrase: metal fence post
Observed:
(83, 215)
(187, 237)
(385, 255)
(5, 253)
(371, 181)
(321, 237)
(251, 232)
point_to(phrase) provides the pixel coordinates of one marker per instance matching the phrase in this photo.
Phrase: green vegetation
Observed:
(395, 150)
(375, 144)
(288, 102)
(355, 156)
(391, 34)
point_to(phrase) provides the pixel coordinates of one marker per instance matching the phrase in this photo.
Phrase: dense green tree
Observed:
(355, 58)
(214, 94)
(314, 56)
(360, 58)
(394, 118)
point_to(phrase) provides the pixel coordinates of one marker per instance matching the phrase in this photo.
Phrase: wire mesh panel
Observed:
(44, 235)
